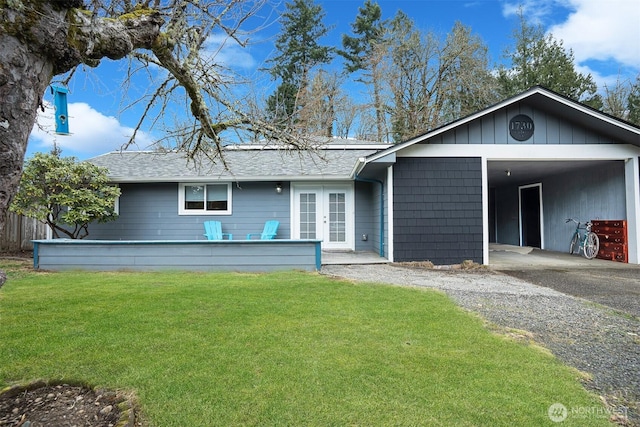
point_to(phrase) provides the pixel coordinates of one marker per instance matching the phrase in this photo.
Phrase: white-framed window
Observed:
(204, 199)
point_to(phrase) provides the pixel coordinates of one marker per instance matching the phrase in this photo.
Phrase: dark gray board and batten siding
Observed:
(438, 210)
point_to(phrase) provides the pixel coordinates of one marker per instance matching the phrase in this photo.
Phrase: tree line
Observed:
(414, 80)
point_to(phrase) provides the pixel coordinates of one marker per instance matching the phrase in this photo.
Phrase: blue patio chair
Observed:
(269, 232)
(213, 231)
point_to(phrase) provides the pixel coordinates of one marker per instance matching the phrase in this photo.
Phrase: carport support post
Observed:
(485, 210)
(632, 179)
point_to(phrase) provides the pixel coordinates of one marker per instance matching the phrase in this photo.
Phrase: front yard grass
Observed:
(285, 348)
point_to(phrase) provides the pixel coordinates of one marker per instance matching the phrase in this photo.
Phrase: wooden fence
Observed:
(19, 232)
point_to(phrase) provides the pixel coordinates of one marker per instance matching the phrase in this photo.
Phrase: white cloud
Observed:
(603, 35)
(595, 30)
(533, 10)
(603, 31)
(228, 52)
(92, 133)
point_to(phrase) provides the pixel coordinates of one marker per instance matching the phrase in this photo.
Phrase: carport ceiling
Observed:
(530, 172)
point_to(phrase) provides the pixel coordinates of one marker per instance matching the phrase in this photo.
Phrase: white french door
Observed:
(324, 212)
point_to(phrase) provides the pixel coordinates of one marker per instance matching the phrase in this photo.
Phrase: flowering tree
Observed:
(65, 194)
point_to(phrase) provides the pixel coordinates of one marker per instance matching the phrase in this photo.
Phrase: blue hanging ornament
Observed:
(61, 114)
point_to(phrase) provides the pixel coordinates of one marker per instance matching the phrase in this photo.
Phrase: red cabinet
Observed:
(613, 239)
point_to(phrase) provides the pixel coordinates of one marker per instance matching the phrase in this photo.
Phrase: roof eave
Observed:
(493, 108)
(151, 180)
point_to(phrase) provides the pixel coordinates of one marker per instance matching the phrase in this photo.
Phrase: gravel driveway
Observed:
(591, 338)
(615, 288)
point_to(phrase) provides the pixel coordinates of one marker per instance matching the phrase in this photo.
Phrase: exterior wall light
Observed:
(279, 188)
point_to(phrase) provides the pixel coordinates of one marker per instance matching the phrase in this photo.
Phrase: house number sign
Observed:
(521, 127)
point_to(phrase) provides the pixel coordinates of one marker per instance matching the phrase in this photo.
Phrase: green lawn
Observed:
(277, 349)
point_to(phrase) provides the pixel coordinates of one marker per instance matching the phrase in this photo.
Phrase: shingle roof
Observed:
(245, 164)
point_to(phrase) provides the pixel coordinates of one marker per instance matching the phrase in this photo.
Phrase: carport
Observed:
(577, 163)
(510, 174)
(529, 201)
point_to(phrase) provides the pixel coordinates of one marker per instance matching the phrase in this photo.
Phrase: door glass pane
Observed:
(307, 215)
(337, 217)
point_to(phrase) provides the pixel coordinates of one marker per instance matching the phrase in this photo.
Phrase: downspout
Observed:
(377, 181)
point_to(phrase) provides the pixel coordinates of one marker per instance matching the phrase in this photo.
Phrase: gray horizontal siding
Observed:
(494, 129)
(371, 216)
(150, 212)
(585, 194)
(245, 256)
(367, 214)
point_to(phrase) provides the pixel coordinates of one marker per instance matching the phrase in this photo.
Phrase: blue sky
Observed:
(604, 36)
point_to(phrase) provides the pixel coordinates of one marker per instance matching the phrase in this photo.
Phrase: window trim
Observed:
(116, 203)
(181, 199)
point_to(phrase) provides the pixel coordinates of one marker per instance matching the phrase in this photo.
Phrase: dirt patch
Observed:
(41, 404)
(16, 254)
(465, 266)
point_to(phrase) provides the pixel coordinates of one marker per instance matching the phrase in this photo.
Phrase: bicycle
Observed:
(586, 241)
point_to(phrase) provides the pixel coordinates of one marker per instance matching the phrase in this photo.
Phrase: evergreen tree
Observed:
(283, 103)
(299, 51)
(633, 102)
(539, 59)
(363, 52)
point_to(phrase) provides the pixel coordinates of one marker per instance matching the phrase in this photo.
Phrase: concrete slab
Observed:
(505, 257)
(501, 257)
(351, 257)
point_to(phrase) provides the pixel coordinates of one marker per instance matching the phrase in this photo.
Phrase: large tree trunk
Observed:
(24, 76)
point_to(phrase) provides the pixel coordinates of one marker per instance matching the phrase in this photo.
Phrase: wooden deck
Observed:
(192, 255)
